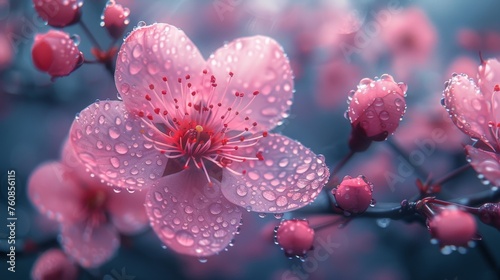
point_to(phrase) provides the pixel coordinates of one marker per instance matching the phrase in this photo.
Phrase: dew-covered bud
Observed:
(115, 19)
(453, 227)
(375, 110)
(489, 214)
(54, 264)
(59, 13)
(353, 195)
(295, 237)
(56, 53)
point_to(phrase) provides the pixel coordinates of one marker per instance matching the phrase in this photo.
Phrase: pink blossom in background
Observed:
(335, 80)
(54, 264)
(194, 133)
(89, 212)
(463, 64)
(430, 123)
(6, 50)
(411, 38)
(479, 40)
(474, 110)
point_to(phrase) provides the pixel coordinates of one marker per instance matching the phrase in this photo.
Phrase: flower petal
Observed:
(488, 76)
(148, 54)
(127, 211)
(289, 177)
(111, 143)
(89, 246)
(468, 108)
(190, 216)
(258, 64)
(485, 163)
(54, 264)
(55, 192)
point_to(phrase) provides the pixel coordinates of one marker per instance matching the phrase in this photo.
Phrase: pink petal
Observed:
(488, 76)
(289, 177)
(190, 216)
(258, 64)
(112, 144)
(485, 163)
(54, 264)
(89, 246)
(127, 211)
(148, 54)
(55, 192)
(468, 108)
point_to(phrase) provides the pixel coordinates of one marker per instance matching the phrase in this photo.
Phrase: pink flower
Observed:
(474, 110)
(335, 80)
(89, 212)
(411, 38)
(410, 34)
(54, 264)
(195, 134)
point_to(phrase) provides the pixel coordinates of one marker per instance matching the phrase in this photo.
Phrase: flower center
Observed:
(94, 203)
(201, 123)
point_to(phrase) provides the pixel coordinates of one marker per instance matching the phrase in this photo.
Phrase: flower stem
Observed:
(452, 175)
(343, 162)
(89, 35)
(420, 172)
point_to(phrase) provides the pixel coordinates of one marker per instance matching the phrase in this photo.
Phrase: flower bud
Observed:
(55, 53)
(354, 195)
(59, 13)
(489, 213)
(115, 19)
(375, 109)
(453, 227)
(295, 237)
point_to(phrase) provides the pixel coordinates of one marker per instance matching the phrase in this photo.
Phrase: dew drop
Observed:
(141, 24)
(378, 102)
(115, 162)
(114, 133)
(121, 148)
(184, 238)
(383, 223)
(124, 88)
(215, 208)
(384, 115)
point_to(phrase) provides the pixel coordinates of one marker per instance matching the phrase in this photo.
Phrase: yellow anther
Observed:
(199, 128)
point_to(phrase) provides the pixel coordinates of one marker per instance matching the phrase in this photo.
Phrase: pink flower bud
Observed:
(489, 214)
(354, 195)
(54, 264)
(295, 237)
(376, 108)
(59, 13)
(55, 53)
(453, 227)
(115, 19)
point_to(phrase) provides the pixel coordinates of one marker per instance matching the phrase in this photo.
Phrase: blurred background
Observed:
(331, 45)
